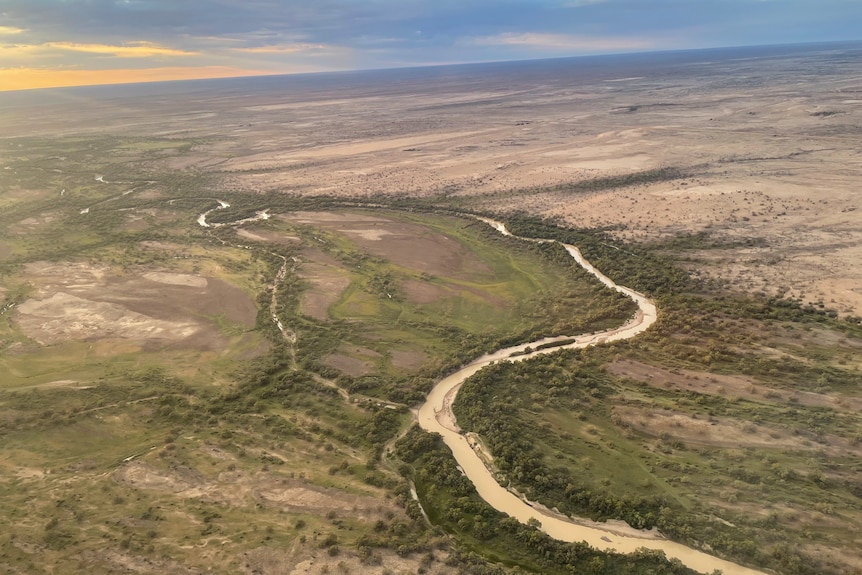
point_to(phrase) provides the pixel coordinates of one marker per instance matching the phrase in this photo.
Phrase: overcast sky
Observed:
(66, 42)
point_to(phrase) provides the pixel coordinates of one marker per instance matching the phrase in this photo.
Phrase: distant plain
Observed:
(177, 397)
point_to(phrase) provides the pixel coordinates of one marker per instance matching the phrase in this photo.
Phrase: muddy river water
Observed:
(435, 415)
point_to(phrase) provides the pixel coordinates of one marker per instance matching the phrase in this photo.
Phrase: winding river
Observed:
(435, 415)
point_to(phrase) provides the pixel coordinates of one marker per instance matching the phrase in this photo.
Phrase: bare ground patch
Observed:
(727, 386)
(723, 432)
(32, 224)
(64, 316)
(83, 302)
(349, 365)
(412, 246)
(843, 558)
(266, 236)
(326, 288)
(403, 359)
(127, 562)
(248, 489)
(380, 562)
(327, 278)
(420, 292)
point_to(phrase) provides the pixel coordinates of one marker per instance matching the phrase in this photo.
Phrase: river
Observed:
(436, 415)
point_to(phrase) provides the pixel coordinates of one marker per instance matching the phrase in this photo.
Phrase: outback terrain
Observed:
(221, 303)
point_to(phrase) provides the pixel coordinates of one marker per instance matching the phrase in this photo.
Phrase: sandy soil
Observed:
(723, 432)
(242, 488)
(728, 385)
(327, 280)
(266, 236)
(80, 301)
(767, 145)
(409, 360)
(350, 365)
(382, 562)
(410, 245)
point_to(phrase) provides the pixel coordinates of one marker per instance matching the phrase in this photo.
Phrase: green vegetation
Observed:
(451, 501)
(166, 420)
(734, 420)
(121, 446)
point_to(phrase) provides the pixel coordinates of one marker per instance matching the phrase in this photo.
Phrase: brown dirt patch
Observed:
(349, 365)
(327, 280)
(291, 562)
(180, 480)
(420, 292)
(723, 432)
(84, 302)
(176, 279)
(135, 222)
(403, 359)
(412, 246)
(119, 562)
(847, 560)
(726, 385)
(266, 236)
(64, 316)
(246, 489)
(32, 224)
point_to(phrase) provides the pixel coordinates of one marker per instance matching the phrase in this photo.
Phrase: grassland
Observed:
(154, 419)
(733, 425)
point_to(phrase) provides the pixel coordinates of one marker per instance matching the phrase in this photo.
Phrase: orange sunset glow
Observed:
(29, 78)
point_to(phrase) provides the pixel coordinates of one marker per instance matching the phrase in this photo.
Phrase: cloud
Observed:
(280, 35)
(282, 48)
(582, 3)
(10, 30)
(564, 42)
(127, 50)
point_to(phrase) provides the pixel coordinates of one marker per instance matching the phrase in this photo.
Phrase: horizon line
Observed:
(262, 74)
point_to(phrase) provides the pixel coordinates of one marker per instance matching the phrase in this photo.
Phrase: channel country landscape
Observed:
(576, 315)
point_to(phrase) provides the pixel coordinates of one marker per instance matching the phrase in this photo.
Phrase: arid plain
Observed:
(210, 346)
(764, 142)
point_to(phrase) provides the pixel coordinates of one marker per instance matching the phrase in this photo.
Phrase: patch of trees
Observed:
(452, 502)
(485, 407)
(632, 265)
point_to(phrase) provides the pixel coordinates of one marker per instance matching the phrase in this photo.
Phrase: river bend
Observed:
(436, 415)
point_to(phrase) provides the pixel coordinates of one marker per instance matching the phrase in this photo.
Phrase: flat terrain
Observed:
(219, 301)
(764, 141)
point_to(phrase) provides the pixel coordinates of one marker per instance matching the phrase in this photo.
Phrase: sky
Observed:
(46, 43)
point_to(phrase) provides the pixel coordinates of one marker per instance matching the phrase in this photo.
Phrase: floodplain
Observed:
(236, 397)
